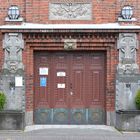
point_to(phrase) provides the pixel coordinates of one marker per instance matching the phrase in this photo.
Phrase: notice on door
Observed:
(61, 74)
(43, 71)
(43, 81)
(60, 85)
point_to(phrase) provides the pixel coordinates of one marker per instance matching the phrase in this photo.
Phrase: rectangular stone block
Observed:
(128, 120)
(12, 120)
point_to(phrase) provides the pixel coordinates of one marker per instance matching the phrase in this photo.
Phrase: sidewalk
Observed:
(69, 133)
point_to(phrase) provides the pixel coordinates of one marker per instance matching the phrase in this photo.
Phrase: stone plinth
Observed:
(128, 120)
(11, 120)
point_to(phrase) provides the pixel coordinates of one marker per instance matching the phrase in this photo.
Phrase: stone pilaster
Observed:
(12, 77)
(127, 77)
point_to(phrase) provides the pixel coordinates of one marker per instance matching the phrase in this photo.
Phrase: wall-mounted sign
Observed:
(61, 85)
(43, 81)
(43, 71)
(61, 74)
(18, 81)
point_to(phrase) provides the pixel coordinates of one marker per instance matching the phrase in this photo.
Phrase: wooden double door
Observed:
(67, 84)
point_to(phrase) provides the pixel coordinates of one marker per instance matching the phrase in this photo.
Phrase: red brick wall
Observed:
(104, 11)
(5, 4)
(106, 43)
(36, 11)
(98, 41)
(1, 52)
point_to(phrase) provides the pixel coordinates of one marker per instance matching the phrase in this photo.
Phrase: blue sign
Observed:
(43, 81)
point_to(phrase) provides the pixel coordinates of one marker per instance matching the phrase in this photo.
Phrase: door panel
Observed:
(95, 90)
(77, 78)
(77, 90)
(42, 93)
(96, 78)
(60, 69)
(74, 92)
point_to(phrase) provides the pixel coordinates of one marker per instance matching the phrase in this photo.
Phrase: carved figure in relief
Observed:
(13, 46)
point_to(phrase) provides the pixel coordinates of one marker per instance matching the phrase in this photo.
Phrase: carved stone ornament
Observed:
(127, 45)
(70, 10)
(13, 45)
(128, 68)
(70, 44)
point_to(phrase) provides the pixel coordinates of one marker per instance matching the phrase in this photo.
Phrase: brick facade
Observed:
(43, 44)
(37, 11)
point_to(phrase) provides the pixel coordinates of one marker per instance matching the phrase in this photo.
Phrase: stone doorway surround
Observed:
(54, 41)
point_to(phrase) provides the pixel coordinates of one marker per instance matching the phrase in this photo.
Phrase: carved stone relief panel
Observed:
(13, 45)
(127, 46)
(13, 68)
(70, 44)
(70, 10)
(127, 77)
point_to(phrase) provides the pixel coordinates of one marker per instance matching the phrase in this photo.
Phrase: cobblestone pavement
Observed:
(69, 134)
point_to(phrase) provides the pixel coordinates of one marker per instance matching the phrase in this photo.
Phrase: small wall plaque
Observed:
(18, 81)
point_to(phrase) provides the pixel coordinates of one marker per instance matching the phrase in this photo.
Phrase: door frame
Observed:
(103, 52)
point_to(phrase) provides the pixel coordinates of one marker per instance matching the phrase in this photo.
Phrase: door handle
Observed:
(70, 85)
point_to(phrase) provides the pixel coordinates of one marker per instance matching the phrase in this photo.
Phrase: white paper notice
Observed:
(60, 85)
(61, 74)
(43, 71)
(18, 81)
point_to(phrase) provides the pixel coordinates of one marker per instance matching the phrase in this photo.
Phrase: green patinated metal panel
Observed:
(96, 116)
(69, 116)
(43, 116)
(61, 116)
